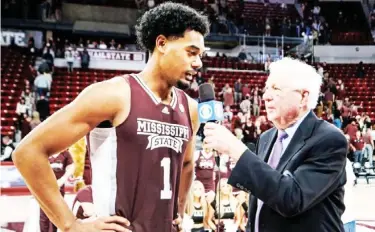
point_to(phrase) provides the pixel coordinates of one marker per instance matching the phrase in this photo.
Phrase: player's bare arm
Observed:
(98, 102)
(188, 165)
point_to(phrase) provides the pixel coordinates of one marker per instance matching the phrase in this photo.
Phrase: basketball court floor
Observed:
(16, 208)
(363, 206)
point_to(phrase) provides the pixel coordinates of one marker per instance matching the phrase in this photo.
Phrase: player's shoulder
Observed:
(110, 87)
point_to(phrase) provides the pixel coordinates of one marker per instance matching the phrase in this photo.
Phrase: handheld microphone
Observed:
(210, 110)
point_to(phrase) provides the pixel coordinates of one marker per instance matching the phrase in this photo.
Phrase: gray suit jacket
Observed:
(305, 192)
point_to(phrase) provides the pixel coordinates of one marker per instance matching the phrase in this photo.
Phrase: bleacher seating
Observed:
(66, 86)
(14, 70)
(353, 29)
(358, 90)
(255, 11)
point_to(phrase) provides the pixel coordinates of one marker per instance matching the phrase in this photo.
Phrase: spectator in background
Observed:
(246, 90)
(32, 73)
(340, 95)
(246, 105)
(211, 81)
(49, 58)
(102, 45)
(42, 106)
(316, 12)
(320, 70)
(368, 150)
(337, 120)
(7, 148)
(228, 95)
(31, 46)
(35, 121)
(329, 97)
(360, 73)
(320, 105)
(58, 10)
(85, 59)
(29, 100)
(242, 55)
(25, 125)
(257, 103)
(199, 78)
(228, 114)
(21, 107)
(249, 130)
(43, 82)
(45, 8)
(113, 45)
(351, 129)
(90, 44)
(237, 91)
(357, 144)
(69, 57)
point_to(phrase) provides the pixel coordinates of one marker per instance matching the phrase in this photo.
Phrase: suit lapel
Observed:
(267, 145)
(294, 146)
(303, 132)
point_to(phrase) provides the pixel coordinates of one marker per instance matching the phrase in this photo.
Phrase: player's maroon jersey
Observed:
(136, 166)
(83, 196)
(204, 170)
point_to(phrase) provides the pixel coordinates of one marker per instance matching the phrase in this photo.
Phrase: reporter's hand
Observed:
(222, 140)
(105, 224)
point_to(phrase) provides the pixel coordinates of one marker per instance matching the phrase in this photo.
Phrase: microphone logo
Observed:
(205, 111)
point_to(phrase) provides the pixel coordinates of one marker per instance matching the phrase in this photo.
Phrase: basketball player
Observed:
(150, 169)
(204, 171)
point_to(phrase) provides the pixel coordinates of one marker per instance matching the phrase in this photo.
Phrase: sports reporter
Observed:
(297, 174)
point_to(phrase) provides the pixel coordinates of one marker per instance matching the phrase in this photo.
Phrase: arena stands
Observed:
(348, 23)
(15, 72)
(357, 81)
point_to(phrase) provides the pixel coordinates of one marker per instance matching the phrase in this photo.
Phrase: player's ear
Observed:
(161, 42)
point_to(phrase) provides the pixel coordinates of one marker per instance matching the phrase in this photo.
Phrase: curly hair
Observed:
(169, 19)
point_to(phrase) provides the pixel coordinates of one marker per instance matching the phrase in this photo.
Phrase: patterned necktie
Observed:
(273, 161)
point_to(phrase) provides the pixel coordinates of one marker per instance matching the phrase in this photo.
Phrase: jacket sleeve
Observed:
(294, 193)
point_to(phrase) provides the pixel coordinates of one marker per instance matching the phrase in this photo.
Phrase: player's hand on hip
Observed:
(222, 140)
(105, 224)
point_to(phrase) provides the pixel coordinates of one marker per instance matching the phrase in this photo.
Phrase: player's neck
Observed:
(197, 199)
(153, 79)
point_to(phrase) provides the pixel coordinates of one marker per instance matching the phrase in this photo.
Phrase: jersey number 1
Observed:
(166, 193)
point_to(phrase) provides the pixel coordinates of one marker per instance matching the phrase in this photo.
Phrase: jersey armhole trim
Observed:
(189, 115)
